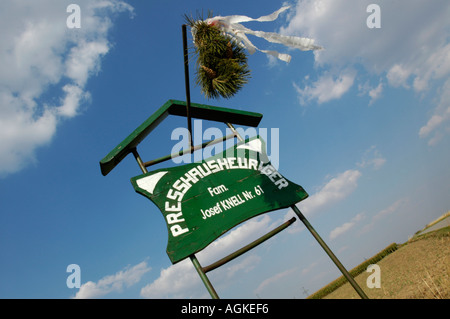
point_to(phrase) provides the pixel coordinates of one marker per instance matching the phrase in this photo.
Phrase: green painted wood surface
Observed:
(174, 107)
(201, 201)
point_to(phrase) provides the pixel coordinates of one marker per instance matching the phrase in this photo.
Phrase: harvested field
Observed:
(419, 269)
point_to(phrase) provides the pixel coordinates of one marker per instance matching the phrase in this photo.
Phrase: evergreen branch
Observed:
(222, 68)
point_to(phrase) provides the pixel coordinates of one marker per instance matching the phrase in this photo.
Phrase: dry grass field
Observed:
(419, 269)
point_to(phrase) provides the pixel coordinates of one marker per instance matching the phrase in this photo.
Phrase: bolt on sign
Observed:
(201, 201)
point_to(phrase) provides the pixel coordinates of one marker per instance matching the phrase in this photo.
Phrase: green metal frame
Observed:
(179, 108)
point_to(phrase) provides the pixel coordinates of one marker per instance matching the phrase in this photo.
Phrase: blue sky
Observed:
(363, 126)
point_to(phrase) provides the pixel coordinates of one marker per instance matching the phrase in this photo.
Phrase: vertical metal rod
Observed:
(330, 253)
(186, 81)
(139, 161)
(204, 278)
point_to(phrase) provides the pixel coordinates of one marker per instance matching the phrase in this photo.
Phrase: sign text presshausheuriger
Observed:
(201, 201)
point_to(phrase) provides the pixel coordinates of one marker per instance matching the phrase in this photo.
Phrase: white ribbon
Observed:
(232, 26)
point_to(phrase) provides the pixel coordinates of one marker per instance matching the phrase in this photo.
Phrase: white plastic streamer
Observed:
(232, 26)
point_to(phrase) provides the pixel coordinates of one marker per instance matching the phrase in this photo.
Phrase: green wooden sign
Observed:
(201, 201)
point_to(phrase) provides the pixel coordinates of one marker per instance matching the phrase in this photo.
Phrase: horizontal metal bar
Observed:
(252, 245)
(193, 149)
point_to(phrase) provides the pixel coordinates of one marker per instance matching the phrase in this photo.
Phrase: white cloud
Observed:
(246, 265)
(338, 188)
(309, 268)
(84, 59)
(235, 239)
(435, 66)
(177, 281)
(332, 192)
(375, 93)
(411, 49)
(372, 158)
(395, 207)
(398, 76)
(326, 88)
(391, 209)
(432, 124)
(274, 279)
(182, 281)
(439, 118)
(113, 283)
(20, 132)
(409, 34)
(39, 53)
(338, 231)
(74, 96)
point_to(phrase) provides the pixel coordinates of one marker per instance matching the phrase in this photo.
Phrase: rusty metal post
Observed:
(330, 253)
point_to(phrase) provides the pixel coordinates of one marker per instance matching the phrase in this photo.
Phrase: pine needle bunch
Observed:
(222, 68)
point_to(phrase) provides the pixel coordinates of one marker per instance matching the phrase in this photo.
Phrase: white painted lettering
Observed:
(217, 190)
(213, 166)
(176, 230)
(252, 164)
(222, 163)
(189, 179)
(281, 183)
(174, 195)
(175, 208)
(174, 218)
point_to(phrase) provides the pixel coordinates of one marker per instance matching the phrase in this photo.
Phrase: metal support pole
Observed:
(330, 253)
(236, 133)
(204, 278)
(252, 245)
(139, 161)
(183, 152)
(186, 81)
